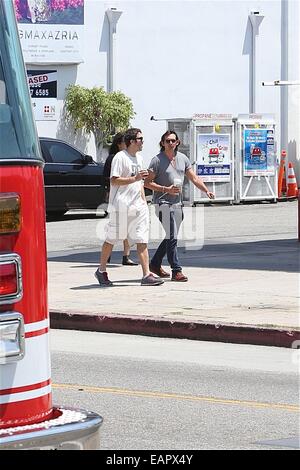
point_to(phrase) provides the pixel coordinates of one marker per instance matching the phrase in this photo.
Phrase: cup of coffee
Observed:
(177, 182)
(145, 172)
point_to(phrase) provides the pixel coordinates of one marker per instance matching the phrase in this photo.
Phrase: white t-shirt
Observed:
(124, 165)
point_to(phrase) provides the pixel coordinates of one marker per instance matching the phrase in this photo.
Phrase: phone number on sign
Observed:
(39, 92)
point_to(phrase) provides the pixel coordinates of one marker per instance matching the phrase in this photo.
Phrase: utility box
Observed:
(256, 159)
(208, 140)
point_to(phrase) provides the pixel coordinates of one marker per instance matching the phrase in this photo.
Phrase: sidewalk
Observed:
(237, 292)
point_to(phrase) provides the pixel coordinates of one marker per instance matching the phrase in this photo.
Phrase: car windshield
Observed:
(18, 137)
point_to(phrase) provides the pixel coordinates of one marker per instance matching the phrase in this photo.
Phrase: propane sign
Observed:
(213, 157)
(43, 91)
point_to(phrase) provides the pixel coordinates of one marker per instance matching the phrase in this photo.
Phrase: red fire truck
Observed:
(28, 418)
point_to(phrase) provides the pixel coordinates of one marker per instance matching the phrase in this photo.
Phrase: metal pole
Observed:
(284, 93)
(113, 16)
(255, 18)
(299, 216)
(253, 72)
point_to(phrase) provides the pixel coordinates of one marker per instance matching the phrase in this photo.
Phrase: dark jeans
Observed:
(170, 217)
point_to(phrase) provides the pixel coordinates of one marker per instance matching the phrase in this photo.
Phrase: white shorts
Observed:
(133, 225)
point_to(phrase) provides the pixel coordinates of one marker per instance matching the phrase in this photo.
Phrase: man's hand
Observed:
(141, 175)
(172, 189)
(210, 195)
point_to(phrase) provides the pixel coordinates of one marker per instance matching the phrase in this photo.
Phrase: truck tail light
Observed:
(10, 278)
(10, 213)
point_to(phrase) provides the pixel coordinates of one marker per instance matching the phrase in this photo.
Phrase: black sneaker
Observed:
(102, 278)
(126, 261)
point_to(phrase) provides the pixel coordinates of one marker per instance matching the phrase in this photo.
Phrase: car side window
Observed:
(45, 153)
(61, 153)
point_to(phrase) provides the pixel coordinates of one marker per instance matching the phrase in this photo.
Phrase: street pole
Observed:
(255, 19)
(113, 16)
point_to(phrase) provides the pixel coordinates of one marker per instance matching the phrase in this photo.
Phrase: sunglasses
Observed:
(171, 141)
(141, 139)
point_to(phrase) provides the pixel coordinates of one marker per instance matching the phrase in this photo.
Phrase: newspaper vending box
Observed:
(207, 139)
(256, 160)
(212, 143)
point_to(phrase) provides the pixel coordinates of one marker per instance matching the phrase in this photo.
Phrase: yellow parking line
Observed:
(175, 396)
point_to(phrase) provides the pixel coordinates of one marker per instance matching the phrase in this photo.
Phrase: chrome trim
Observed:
(8, 258)
(13, 317)
(75, 429)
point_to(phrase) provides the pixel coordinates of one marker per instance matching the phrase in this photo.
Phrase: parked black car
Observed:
(73, 180)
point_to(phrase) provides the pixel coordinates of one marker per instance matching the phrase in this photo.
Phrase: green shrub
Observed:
(96, 111)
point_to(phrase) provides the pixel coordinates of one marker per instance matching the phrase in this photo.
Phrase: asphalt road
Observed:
(80, 231)
(167, 394)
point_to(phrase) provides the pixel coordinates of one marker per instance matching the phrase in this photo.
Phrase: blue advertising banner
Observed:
(259, 152)
(214, 173)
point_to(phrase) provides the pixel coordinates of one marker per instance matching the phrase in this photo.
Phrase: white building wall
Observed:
(177, 58)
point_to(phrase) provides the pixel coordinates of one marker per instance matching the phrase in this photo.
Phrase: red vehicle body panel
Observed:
(32, 401)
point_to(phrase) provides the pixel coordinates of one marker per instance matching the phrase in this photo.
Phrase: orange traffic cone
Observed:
(292, 183)
(281, 176)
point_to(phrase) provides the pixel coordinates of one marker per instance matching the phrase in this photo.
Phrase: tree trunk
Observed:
(100, 151)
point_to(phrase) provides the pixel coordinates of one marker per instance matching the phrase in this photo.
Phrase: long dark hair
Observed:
(117, 140)
(163, 137)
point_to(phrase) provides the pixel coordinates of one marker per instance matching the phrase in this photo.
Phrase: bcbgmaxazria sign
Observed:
(51, 31)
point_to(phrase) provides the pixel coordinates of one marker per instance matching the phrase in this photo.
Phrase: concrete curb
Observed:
(150, 326)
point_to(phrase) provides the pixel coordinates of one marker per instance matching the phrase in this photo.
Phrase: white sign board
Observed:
(45, 109)
(51, 31)
(43, 91)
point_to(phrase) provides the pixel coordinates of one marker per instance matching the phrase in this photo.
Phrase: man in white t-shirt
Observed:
(129, 215)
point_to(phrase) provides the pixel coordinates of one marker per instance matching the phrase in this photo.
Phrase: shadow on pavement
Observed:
(73, 215)
(120, 283)
(270, 255)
